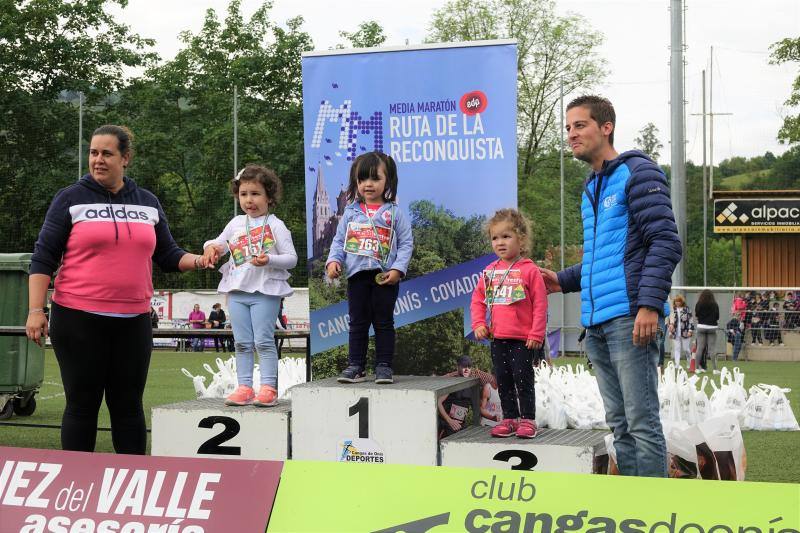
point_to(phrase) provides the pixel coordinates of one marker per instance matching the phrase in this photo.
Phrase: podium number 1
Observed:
(361, 408)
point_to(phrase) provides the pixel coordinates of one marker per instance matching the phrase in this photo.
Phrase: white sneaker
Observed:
(781, 344)
(716, 371)
(699, 371)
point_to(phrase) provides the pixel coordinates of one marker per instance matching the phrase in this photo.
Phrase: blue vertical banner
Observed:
(447, 115)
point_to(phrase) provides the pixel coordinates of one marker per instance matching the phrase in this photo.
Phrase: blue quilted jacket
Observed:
(630, 241)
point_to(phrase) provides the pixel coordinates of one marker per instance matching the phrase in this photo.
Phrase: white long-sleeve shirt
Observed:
(271, 279)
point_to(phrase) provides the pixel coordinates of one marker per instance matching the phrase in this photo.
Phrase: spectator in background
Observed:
(153, 317)
(739, 307)
(681, 329)
(753, 306)
(491, 410)
(790, 310)
(772, 333)
(454, 407)
(217, 319)
(197, 320)
(282, 323)
(707, 312)
(735, 331)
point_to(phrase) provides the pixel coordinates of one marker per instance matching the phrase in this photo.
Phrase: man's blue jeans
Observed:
(628, 381)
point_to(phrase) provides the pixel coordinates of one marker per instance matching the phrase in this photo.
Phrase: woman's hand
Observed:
(211, 255)
(36, 327)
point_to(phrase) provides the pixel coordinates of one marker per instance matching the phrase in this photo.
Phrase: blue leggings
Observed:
(253, 317)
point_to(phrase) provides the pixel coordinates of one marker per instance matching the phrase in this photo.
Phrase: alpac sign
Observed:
(757, 215)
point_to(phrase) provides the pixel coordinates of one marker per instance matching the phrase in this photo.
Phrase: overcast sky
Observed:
(637, 37)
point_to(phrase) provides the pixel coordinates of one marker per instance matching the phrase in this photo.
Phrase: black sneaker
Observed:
(352, 374)
(383, 374)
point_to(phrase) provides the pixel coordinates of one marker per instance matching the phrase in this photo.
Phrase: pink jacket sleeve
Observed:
(539, 300)
(477, 306)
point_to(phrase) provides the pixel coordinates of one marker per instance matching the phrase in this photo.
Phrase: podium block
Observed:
(369, 423)
(553, 450)
(207, 428)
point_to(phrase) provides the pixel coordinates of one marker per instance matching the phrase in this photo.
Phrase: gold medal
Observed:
(379, 277)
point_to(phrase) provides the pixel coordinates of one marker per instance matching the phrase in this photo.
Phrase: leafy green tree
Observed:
(551, 50)
(648, 142)
(368, 35)
(788, 50)
(49, 51)
(182, 111)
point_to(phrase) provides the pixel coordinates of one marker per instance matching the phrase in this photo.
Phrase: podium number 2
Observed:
(361, 408)
(212, 445)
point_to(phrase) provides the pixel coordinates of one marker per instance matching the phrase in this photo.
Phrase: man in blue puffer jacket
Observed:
(630, 249)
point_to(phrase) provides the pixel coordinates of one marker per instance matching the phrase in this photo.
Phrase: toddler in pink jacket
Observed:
(509, 307)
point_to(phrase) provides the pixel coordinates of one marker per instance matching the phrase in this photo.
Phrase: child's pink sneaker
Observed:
(506, 428)
(526, 429)
(267, 396)
(243, 395)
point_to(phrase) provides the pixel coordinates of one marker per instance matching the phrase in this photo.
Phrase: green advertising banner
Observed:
(317, 497)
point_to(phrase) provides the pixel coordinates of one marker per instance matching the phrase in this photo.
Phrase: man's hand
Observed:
(550, 280)
(481, 333)
(645, 326)
(333, 269)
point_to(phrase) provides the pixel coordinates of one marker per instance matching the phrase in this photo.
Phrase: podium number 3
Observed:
(527, 460)
(361, 408)
(212, 445)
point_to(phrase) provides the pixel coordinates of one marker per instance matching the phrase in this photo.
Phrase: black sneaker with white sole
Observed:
(383, 375)
(352, 374)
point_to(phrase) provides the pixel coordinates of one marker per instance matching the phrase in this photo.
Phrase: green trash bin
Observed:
(21, 361)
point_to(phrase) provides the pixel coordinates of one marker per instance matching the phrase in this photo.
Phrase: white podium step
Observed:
(369, 423)
(553, 450)
(208, 428)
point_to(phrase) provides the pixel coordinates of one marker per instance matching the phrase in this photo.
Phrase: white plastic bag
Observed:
(779, 415)
(681, 452)
(724, 437)
(755, 408)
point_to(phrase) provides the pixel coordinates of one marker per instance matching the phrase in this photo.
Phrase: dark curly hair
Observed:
(263, 175)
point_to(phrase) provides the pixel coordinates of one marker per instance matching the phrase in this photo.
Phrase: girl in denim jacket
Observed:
(374, 242)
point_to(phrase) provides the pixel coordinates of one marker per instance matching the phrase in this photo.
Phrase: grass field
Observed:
(771, 456)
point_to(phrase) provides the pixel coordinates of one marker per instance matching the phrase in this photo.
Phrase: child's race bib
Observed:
(361, 240)
(244, 251)
(502, 288)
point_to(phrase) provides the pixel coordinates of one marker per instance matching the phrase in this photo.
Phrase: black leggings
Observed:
(513, 368)
(102, 355)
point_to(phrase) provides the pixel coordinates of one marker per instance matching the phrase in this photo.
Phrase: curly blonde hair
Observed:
(519, 223)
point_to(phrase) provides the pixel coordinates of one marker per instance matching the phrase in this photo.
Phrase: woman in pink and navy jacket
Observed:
(102, 235)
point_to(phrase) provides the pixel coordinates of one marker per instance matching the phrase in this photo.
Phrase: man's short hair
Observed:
(600, 109)
(464, 361)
